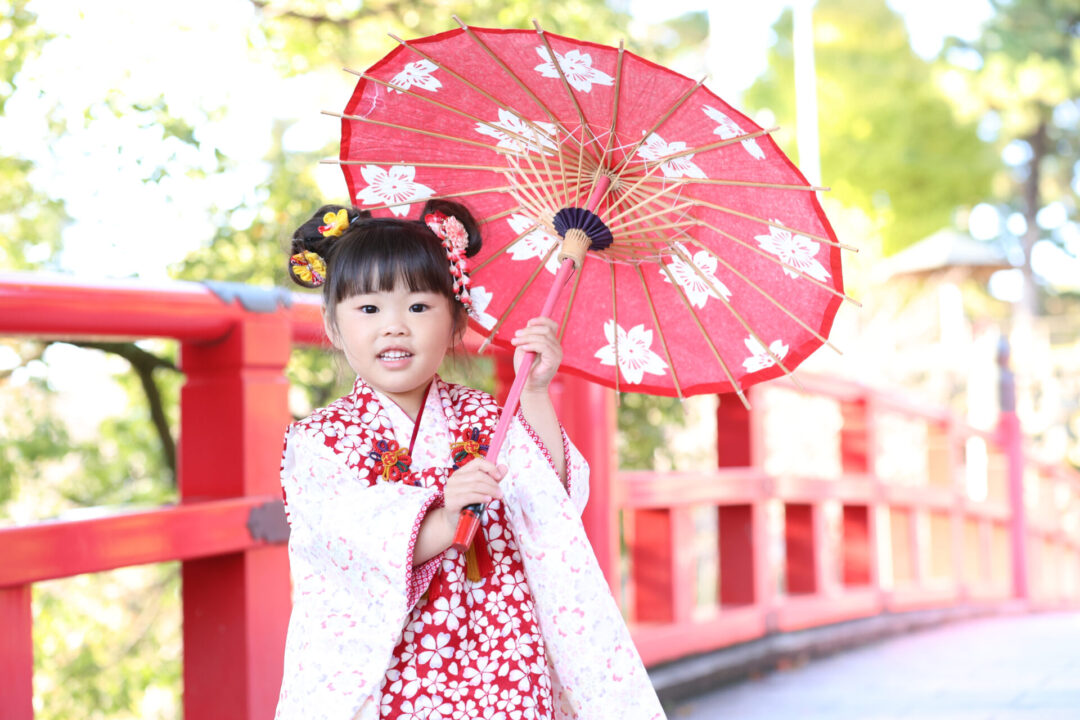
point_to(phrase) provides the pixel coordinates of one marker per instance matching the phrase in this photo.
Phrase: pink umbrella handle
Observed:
(469, 521)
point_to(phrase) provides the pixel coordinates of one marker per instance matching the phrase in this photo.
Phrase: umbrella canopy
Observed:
(711, 265)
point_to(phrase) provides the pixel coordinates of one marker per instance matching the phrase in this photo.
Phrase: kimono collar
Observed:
(363, 395)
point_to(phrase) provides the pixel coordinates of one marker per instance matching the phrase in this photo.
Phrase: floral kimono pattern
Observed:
(371, 636)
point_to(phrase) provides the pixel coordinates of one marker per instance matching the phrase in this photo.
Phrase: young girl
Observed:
(388, 620)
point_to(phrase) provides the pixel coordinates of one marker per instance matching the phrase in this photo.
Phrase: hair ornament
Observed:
(455, 239)
(336, 222)
(308, 268)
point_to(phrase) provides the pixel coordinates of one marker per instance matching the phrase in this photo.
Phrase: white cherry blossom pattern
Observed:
(396, 187)
(535, 244)
(416, 74)
(760, 358)
(576, 66)
(698, 289)
(520, 135)
(655, 148)
(481, 299)
(794, 250)
(635, 353)
(727, 129)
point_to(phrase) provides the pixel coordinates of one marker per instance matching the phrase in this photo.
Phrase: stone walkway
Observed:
(1004, 668)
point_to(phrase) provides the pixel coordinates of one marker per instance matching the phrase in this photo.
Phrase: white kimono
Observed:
(372, 636)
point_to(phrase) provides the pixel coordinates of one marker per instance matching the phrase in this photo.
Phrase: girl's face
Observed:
(394, 340)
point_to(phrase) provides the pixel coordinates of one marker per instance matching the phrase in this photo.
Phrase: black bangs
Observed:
(390, 251)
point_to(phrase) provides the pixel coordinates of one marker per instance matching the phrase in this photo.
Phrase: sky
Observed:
(179, 51)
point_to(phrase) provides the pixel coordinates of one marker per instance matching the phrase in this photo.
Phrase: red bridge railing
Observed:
(868, 527)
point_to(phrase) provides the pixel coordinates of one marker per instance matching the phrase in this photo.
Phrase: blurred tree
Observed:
(1020, 79)
(891, 144)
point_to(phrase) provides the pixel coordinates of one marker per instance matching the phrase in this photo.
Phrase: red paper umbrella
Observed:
(697, 256)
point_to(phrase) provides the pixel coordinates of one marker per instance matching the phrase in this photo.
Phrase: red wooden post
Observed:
(1012, 441)
(734, 433)
(662, 566)
(737, 557)
(855, 436)
(799, 543)
(857, 546)
(236, 607)
(16, 654)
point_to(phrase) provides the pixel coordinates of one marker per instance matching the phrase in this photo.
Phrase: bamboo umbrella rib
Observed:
(695, 150)
(545, 198)
(446, 166)
(522, 192)
(513, 303)
(569, 91)
(473, 86)
(614, 104)
(490, 53)
(420, 131)
(704, 334)
(615, 328)
(754, 285)
(526, 141)
(615, 227)
(497, 216)
(774, 259)
(742, 183)
(746, 326)
(660, 331)
(465, 193)
(569, 304)
(524, 233)
(663, 119)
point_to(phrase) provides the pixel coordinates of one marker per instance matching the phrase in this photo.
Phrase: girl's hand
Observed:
(476, 482)
(540, 336)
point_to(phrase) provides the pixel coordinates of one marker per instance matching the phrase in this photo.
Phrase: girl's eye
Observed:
(418, 307)
(368, 309)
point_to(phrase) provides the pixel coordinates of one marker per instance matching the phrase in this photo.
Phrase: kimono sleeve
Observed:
(577, 469)
(358, 537)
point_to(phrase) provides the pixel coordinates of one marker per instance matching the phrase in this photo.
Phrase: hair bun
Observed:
(459, 211)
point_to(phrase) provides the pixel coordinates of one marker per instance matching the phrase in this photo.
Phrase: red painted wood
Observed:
(16, 653)
(734, 436)
(854, 437)
(234, 410)
(652, 566)
(659, 643)
(735, 524)
(51, 550)
(856, 546)
(800, 570)
(1012, 440)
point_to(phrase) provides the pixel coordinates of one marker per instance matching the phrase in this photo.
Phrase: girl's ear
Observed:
(328, 326)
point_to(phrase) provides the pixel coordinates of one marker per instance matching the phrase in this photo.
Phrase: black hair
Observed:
(375, 254)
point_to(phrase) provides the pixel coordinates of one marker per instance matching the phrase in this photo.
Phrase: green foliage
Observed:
(644, 422)
(890, 142)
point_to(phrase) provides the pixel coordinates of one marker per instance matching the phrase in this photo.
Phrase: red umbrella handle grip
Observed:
(468, 524)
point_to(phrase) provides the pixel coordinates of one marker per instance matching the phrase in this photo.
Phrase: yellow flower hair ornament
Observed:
(335, 223)
(308, 269)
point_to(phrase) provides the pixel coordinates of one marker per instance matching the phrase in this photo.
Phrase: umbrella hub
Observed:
(581, 230)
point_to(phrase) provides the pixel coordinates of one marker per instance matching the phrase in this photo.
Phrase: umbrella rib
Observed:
(754, 285)
(704, 334)
(696, 150)
(465, 193)
(520, 83)
(429, 133)
(513, 303)
(774, 259)
(663, 119)
(746, 326)
(476, 87)
(744, 183)
(447, 166)
(524, 233)
(615, 328)
(570, 302)
(614, 105)
(538, 141)
(638, 220)
(569, 91)
(660, 331)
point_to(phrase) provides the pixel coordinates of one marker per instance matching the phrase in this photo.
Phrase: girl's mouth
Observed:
(394, 355)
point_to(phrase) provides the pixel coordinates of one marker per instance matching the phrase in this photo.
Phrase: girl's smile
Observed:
(395, 340)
